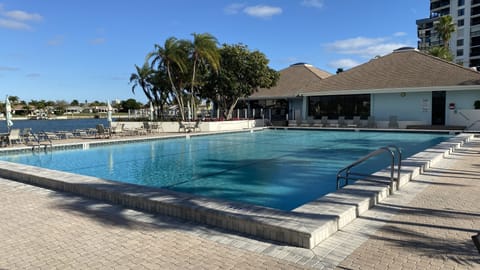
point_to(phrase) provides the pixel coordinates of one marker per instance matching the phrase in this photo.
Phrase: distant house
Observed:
(73, 110)
(282, 98)
(417, 88)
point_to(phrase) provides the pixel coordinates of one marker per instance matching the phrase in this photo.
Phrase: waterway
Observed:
(54, 125)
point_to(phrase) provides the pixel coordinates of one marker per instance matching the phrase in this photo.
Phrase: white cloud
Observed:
(56, 41)
(14, 25)
(262, 11)
(365, 47)
(19, 15)
(399, 34)
(5, 68)
(343, 63)
(33, 75)
(98, 41)
(234, 8)
(313, 3)
(17, 19)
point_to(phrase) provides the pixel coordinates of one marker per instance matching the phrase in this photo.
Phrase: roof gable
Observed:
(292, 80)
(399, 70)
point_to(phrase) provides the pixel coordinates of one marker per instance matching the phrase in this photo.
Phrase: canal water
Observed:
(54, 125)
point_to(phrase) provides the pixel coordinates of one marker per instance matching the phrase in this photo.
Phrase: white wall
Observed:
(464, 113)
(415, 107)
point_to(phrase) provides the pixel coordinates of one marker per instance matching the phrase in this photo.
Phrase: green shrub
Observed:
(476, 104)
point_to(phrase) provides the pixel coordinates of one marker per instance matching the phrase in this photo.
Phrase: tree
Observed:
(204, 52)
(445, 27)
(441, 52)
(242, 72)
(154, 84)
(171, 59)
(74, 103)
(130, 104)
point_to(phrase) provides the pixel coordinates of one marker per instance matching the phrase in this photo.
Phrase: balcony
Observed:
(439, 4)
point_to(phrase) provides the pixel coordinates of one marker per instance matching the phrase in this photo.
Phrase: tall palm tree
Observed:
(141, 79)
(172, 58)
(204, 51)
(445, 27)
(441, 52)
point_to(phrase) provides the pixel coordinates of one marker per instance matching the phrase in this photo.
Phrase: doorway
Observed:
(438, 107)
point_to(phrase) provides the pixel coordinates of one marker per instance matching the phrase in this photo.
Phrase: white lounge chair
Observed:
(371, 122)
(14, 136)
(392, 122)
(341, 121)
(324, 121)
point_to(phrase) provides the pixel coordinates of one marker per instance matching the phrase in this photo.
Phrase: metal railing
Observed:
(346, 172)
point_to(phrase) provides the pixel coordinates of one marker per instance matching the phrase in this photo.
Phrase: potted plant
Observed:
(476, 104)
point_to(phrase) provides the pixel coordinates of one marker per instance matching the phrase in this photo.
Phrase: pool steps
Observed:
(305, 226)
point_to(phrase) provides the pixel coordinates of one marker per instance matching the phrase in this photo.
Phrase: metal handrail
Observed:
(386, 149)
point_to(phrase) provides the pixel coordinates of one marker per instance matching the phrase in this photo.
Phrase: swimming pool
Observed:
(281, 169)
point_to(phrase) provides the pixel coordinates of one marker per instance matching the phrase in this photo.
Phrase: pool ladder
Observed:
(392, 150)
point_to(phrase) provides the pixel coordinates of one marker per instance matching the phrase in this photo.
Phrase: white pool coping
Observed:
(305, 226)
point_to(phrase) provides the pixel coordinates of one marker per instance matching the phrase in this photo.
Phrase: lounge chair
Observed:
(196, 126)
(356, 121)
(341, 121)
(324, 121)
(371, 122)
(14, 136)
(181, 125)
(156, 127)
(118, 129)
(101, 132)
(392, 122)
(310, 121)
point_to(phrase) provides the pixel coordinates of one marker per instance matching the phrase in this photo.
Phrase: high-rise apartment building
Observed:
(465, 41)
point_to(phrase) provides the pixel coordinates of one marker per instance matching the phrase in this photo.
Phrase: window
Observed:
(344, 105)
(461, 12)
(461, 3)
(460, 52)
(459, 42)
(460, 22)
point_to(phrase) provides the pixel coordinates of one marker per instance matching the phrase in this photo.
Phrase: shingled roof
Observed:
(403, 69)
(292, 80)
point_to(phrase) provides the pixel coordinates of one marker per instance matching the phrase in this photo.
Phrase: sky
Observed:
(87, 49)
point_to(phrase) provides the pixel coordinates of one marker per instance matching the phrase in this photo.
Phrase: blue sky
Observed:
(86, 49)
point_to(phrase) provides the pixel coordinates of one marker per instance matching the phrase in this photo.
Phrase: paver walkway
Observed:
(427, 225)
(434, 230)
(42, 229)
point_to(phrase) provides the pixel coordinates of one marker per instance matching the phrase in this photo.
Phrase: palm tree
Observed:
(441, 52)
(172, 58)
(445, 27)
(204, 51)
(141, 79)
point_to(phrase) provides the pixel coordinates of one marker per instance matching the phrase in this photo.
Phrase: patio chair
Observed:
(101, 132)
(324, 121)
(356, 121)
(392, 121)
(14, 136)
(26, 134)
(156, 127)
(118, 129)
(310, 121)
(341, 121)
(196, 126)
(371, 122)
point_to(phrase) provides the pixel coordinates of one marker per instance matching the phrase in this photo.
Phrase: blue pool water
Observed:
(282, 169)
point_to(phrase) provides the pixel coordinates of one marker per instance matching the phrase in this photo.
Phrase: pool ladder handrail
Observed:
(386, 149)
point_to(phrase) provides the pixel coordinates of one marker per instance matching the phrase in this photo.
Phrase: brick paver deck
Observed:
(433, 231)
(427, 225)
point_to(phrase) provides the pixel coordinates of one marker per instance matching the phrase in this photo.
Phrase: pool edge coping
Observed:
(305, 226)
